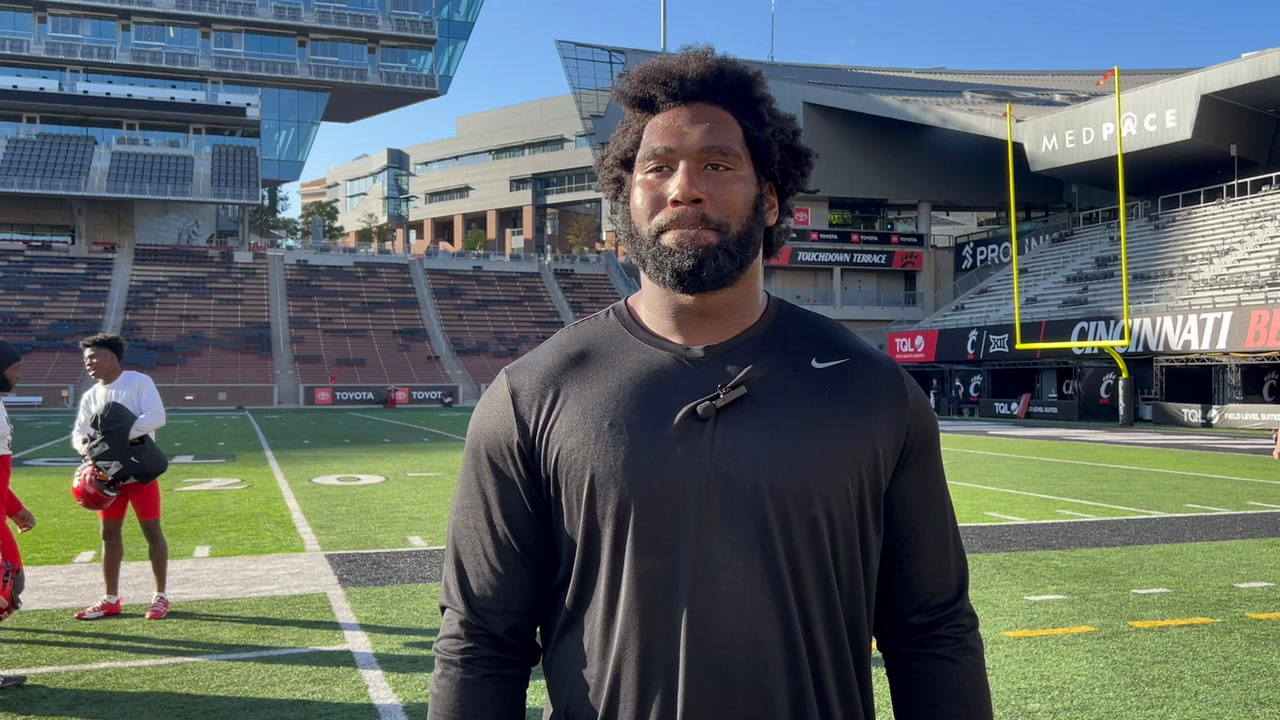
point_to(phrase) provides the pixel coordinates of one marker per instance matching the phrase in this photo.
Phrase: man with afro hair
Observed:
(704, 502)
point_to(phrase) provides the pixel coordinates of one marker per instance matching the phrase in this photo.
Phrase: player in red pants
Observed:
(12, 579)
(137, 394)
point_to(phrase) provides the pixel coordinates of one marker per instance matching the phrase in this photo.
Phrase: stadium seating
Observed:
(492, 317)
(194, 317)
(587, 293)
(1224, 253)
(235, 172)
(361, 323)
(49, 300)
(152, 174)
(49, 161)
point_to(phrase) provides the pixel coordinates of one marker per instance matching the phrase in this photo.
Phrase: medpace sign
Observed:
(1250, 329)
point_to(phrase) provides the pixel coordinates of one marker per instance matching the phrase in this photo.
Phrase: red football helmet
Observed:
(92, 489)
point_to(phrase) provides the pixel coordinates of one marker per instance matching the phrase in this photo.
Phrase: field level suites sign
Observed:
(1247, 329)
(376, 395)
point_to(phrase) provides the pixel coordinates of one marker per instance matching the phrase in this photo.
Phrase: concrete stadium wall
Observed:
(51, 395)
(178, 397)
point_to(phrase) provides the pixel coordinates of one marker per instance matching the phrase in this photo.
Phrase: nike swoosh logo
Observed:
(821, 365)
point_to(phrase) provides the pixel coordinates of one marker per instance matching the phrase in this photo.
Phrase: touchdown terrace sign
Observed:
(354, 395)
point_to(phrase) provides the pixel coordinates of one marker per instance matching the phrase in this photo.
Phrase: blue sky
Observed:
(512, 56)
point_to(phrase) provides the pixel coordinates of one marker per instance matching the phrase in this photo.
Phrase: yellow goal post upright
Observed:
(1126, 383)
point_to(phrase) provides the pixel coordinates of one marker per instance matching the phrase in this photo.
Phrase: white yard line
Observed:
(1077, 514)
(171, 661)
(408, 425)
(1206, 507)
(86, 556)
(309, 541)
(1152, 591)
(1042, 598)
(1115, 467)
(202, 551)
(1008, 517)
(1126, 518)
(1263, 505)
(1055, 497)
(380, 692)
(416, 541)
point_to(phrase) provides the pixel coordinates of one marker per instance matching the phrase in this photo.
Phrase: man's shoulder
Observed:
(569, 347)
(133, 377)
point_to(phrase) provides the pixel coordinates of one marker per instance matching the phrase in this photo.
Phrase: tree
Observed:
(370, 229)
(266, 217)
(327, 211)
(476, 240)
(582, 232)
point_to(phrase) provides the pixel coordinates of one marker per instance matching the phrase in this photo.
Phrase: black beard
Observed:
(693, 269)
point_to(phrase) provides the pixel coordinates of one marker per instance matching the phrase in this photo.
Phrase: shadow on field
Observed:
(421, 662)
(41, 701)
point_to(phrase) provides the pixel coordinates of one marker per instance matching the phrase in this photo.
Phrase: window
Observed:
(15, 23)
(508, 153)
(568, 181)
(582, 141)
(98, 31)
(170, 37)
(340, 52)
(408, 59)
(441, 196)
(546, 147)
(519, 184)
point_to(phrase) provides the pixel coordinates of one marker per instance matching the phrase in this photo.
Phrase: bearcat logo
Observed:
(1104, 390)
(1269, 386)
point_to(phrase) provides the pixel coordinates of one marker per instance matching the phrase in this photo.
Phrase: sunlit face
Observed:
(101, 363)
(696, 218)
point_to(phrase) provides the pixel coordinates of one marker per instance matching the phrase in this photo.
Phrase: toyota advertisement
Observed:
(862, 237)
(351, 395)
(800, 256)
(1250, 329)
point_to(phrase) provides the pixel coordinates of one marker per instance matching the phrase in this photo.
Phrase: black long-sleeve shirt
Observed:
(667, 567)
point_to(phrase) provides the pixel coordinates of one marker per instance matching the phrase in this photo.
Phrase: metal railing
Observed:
(826, 297)
(282, 13)
(1255, 185)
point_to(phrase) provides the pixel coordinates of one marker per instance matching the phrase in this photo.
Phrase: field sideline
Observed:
(305, 566)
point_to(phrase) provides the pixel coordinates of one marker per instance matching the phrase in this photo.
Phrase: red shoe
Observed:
(101, 609)
(159, 608)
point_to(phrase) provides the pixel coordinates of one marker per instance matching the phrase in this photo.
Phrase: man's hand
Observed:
(24, 520)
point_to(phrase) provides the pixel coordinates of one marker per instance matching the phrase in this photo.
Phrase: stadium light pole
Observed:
(773, 16)
(662, 15)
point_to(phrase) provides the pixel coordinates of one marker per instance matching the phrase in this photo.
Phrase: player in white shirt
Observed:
(103, 355)
(11, 573)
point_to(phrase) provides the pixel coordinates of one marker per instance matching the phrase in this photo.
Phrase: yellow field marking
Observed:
(1169, 623)
(1264, 616)
(1050, 631)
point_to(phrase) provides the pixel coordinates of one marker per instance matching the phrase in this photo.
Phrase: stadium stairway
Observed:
(431, 318)
(286, 370)
(553, 289)
(118, 297)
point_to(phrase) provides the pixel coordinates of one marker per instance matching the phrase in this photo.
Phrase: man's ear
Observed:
(770, 205)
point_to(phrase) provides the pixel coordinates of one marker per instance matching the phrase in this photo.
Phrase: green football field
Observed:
(292, 534)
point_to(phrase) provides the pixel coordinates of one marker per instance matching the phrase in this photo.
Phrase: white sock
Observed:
(111, 599)
(162, 595)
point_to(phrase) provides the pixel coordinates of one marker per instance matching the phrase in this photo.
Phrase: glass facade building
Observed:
(296, 63)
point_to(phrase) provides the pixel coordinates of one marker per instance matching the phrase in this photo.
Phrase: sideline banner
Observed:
(1034, 409)
(349, 395)
(1235, 416)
